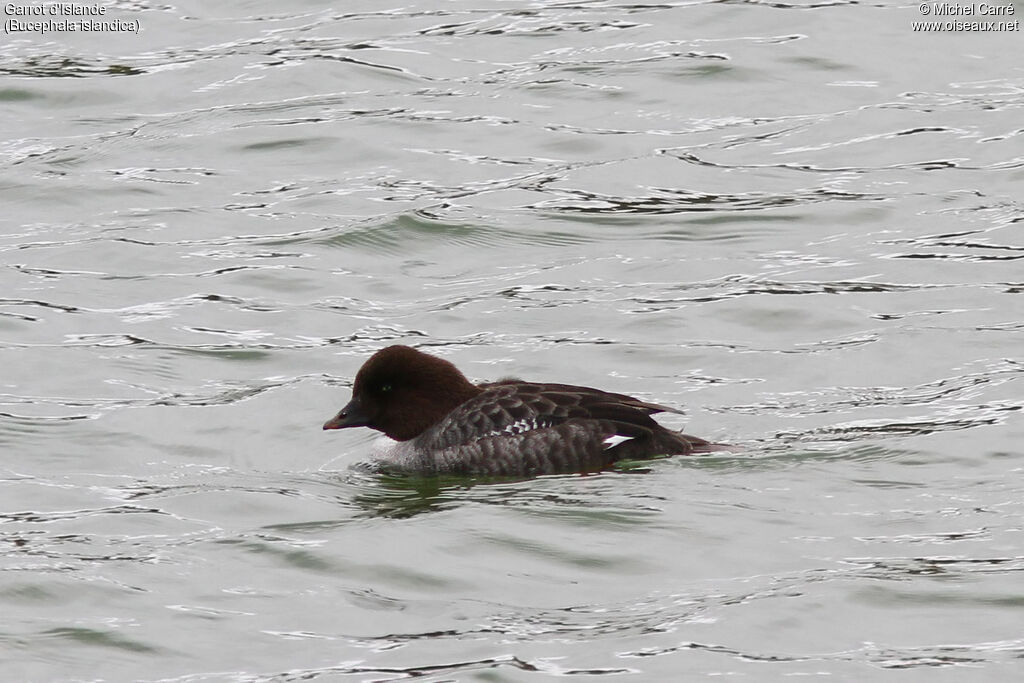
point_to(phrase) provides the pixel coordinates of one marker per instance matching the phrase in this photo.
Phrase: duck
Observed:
(435, 421)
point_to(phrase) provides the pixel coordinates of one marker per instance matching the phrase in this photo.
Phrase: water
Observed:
(799, 221)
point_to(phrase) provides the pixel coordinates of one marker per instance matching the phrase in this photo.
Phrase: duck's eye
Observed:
(385, 388)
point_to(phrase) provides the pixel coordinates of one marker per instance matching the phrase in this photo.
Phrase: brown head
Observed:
(402, 392)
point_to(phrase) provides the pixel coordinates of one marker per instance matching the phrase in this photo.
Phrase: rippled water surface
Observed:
(800, 221)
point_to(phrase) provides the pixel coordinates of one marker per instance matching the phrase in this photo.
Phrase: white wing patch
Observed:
(614, 440)
(520, 426)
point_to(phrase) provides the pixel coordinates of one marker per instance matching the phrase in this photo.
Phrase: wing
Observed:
(510, 408)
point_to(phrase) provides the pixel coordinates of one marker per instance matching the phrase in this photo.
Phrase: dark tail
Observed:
(677, 443)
